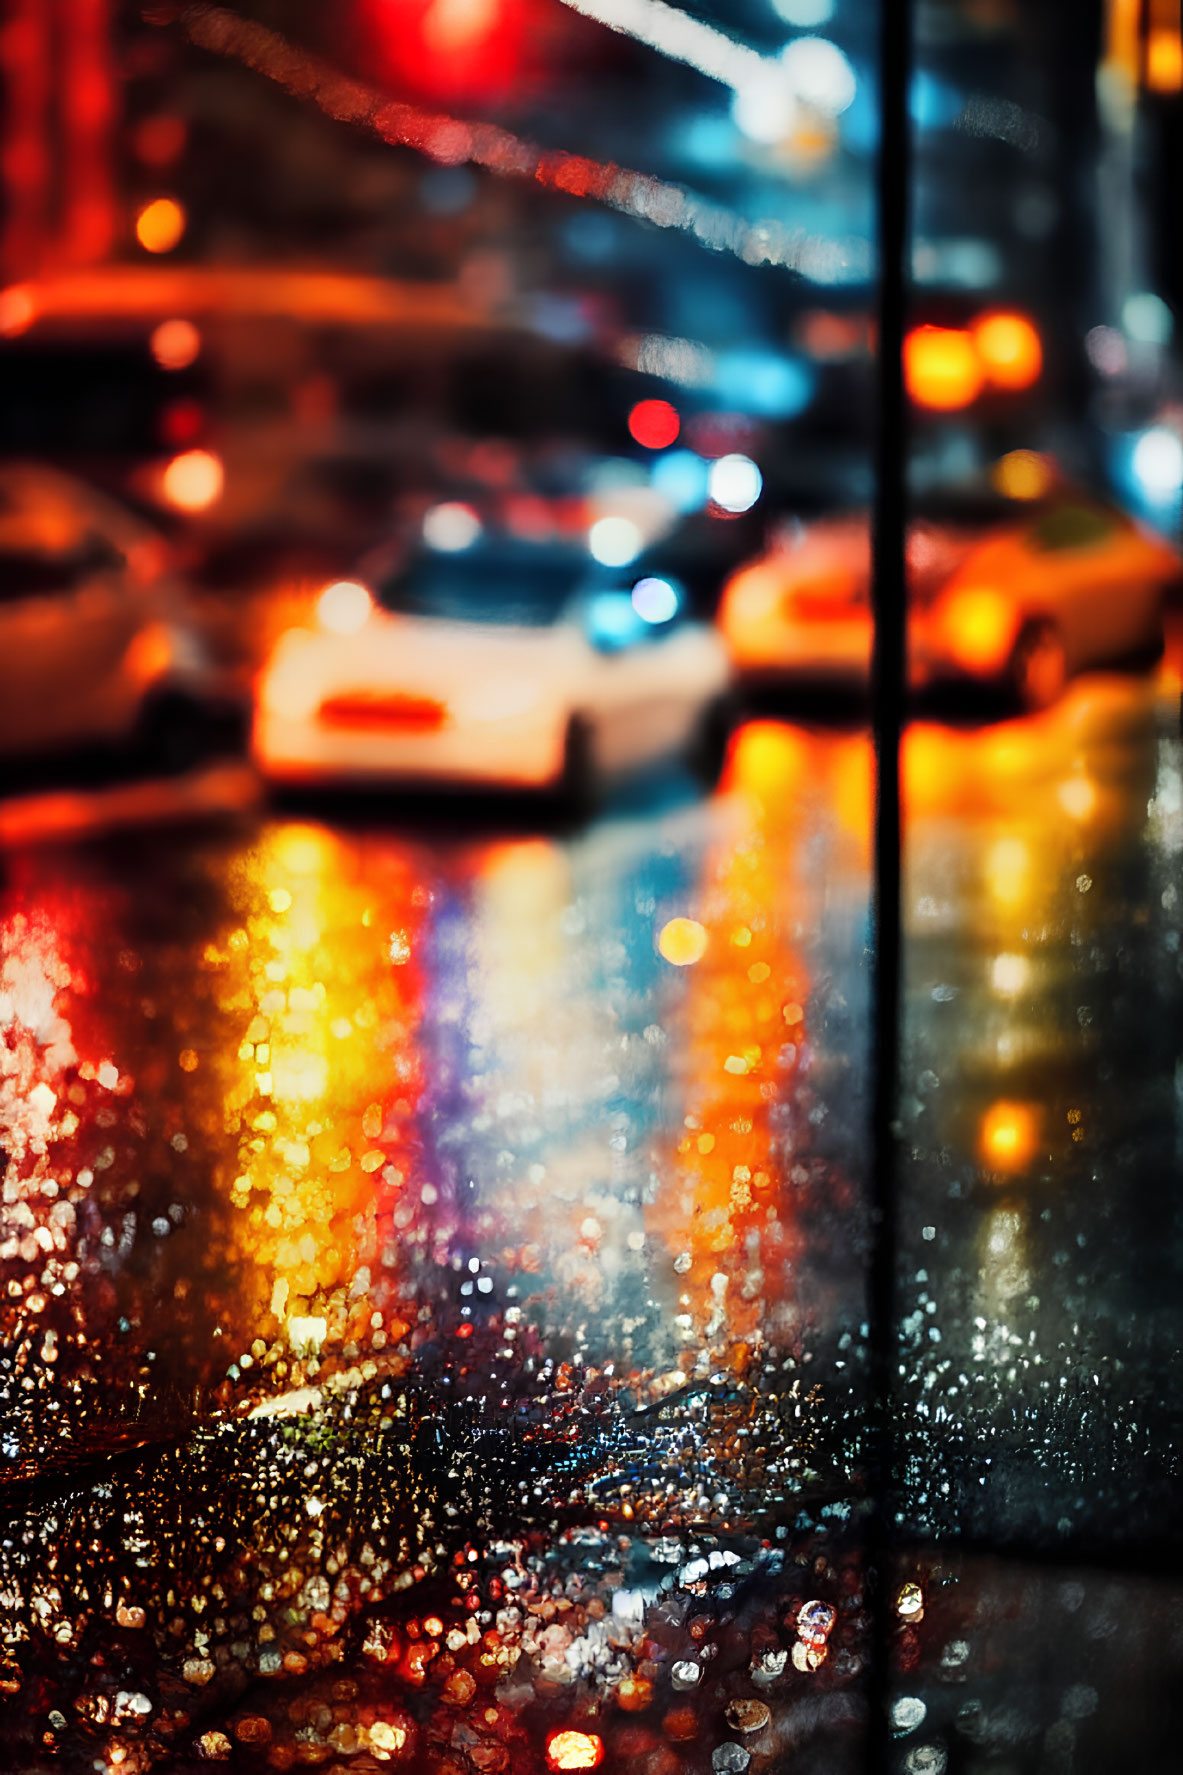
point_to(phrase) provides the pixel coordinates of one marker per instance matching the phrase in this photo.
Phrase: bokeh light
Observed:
(1147, 319)
(655, 424)
(1023, 474)
(1157, 462)
(655, 600)
(1009, 974)
(735, 483)
(681, 477)
(1106, 351)
(1009, 1135)
(160, 225)
(193, 480)
(451, 527)
(175, 344)
(574, 1750)
(805, 14)
(764, 107)
(682, 942)
(18, 310)
(1164, 59)
(820, 75)
(614, 541)
(1010, 349)
(942, 369)
(344, 607)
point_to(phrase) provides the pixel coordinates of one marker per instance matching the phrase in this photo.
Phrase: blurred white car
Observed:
(491, 661)
(94, 648)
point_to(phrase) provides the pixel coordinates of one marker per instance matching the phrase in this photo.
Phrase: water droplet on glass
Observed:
(907, 1713)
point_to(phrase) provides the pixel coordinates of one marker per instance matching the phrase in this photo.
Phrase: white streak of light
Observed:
(677, 35)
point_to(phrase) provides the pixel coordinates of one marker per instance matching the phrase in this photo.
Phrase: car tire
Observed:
(1038, 666)
(173, 734)
(707, 751)
(575, 788)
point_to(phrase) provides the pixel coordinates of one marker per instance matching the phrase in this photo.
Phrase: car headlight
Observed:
(977, 626)
(344, 607)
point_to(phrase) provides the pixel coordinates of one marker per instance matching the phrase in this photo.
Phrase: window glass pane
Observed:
(468, 1303)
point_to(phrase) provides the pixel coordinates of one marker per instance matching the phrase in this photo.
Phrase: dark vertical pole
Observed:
(889, 597)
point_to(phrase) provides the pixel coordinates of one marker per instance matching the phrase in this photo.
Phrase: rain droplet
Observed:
(907, 1713)
(927, 1759)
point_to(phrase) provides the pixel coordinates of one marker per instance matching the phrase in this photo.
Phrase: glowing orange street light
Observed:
(942, 369)
(1009, 349)
(160, 225)
(1008, 1135)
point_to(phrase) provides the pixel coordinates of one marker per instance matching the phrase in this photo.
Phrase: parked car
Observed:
(1017, 596)
(95, 651)
(490, 660)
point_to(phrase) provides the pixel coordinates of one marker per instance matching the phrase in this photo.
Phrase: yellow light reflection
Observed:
(522, 891)
(1003, 1265)
(767, 759)
(323, 1159)
(542, 1032)
(1164, 57)
(1078, 797)
(1009, 1135)
(1009, 974)
(1008, 870)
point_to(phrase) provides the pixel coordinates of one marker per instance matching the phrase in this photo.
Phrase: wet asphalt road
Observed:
(396, 1201)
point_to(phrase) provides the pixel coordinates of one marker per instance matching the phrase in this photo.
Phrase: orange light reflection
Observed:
(745, 1020)
(574, 1750)
(1009, 1135)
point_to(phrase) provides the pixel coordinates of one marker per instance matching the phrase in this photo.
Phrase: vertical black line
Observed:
(888, 599)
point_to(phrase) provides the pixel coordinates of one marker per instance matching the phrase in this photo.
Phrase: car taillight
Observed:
(826, 595)
(397, 709)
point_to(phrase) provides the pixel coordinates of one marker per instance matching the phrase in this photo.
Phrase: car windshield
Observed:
(522, 586)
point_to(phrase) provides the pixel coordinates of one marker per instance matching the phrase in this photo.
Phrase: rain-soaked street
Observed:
(435, 1318)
